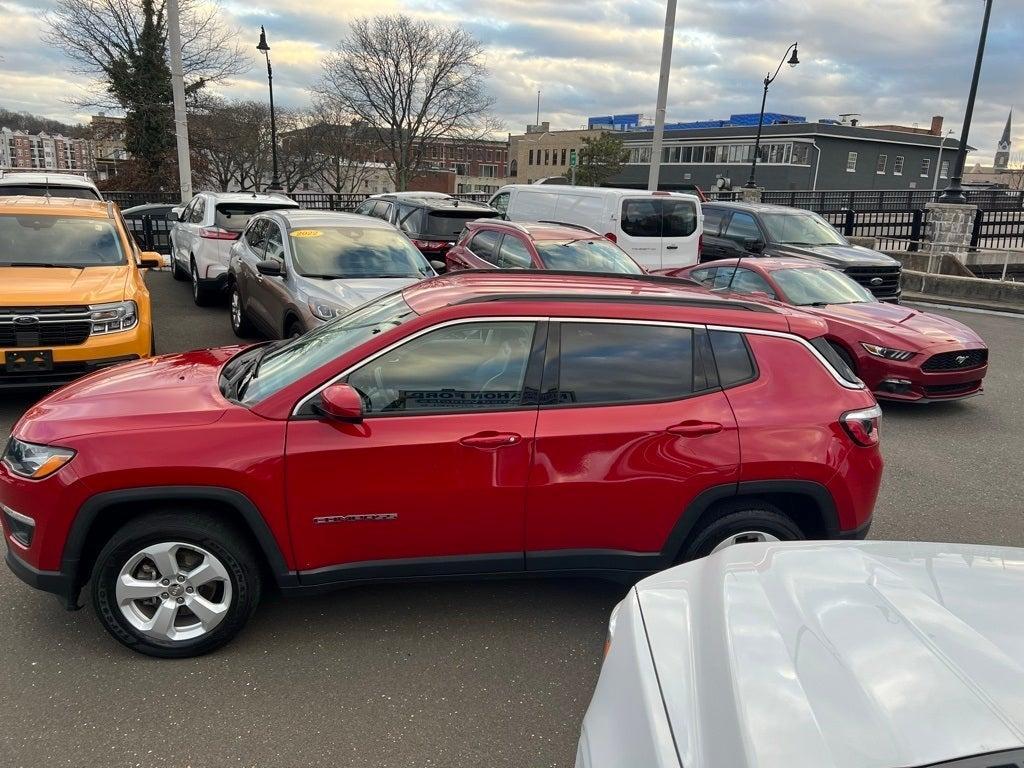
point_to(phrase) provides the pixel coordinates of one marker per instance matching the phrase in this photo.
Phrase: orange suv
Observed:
(72, 297)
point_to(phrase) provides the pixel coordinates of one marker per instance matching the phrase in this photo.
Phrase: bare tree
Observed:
(96, 34)
(230, 143)
(348, 147)
(412, 82)
(301, 148)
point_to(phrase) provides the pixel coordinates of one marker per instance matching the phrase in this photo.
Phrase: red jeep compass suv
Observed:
(478, 423)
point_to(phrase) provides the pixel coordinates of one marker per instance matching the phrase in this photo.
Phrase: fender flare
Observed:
(95, 506)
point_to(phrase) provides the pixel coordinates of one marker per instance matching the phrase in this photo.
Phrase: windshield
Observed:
(585, 256)
(301, 356)
(449, 224)
(234, 216)
(356, 252)
(804, 287)
(801, 229)
(54, 190)
(54, 241)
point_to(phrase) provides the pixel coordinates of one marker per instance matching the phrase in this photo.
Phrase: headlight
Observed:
(111, 318)
(887, 352)
(35, 461)
(324, 311)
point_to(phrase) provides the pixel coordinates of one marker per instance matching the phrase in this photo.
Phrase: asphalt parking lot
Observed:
(492, 673)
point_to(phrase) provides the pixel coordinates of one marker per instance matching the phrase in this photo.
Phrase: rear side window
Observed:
(618, 363)
(485, 245)
(834, 359)
(732, 358)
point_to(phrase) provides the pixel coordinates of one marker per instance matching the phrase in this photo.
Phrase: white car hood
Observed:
(861, 655)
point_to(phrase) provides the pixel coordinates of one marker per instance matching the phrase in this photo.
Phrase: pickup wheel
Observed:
(175, 585)
(741, 522)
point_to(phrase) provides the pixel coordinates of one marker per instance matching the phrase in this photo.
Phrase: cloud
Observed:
(890, 60)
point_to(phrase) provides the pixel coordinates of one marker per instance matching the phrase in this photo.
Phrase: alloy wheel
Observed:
(236, 308)
(195, 284)
(173, 591)
(744, 537)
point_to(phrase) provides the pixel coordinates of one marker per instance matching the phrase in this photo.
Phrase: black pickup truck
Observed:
(759, 229)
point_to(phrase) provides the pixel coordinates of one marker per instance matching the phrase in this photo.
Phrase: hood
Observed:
(863, 655)
(60, 286)
(900, 324)
(840, 256)
(348, 293)
(168, 391)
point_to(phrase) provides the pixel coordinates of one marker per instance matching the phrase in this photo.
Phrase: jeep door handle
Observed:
(489, 440)
(695, 428)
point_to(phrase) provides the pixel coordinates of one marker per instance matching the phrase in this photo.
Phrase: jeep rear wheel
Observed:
(175, 585)
(741, 522)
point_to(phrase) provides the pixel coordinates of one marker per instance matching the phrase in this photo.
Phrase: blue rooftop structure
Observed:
(631, 122)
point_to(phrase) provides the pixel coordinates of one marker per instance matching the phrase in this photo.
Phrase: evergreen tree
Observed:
(600, 158)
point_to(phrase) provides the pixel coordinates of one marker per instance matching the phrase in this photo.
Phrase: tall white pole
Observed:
(659, 114)
(178, 89)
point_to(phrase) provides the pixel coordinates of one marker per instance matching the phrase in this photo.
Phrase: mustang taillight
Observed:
(862, 425)
(216, 233)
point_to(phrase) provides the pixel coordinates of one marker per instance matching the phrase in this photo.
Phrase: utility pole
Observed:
(178, 91)
(659, 114)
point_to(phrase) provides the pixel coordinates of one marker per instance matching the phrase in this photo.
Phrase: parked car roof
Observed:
(57, 179)
(755, 207)
(869, 654)
(422, 195)
(302, 218)
(56, 206)
(252, 197)
(145, 207)
(445, 204)
(769, 264)
(538, 230)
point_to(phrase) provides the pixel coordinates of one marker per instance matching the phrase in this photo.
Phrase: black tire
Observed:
(220, 539)
(201, 295)
(240, 323)
(293, 329)
(738, 517)
(177, 272)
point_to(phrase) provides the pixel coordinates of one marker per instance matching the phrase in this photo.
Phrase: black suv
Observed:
(759, 229)
(433, 222)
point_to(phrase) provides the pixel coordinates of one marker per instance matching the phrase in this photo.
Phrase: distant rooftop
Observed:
(631, 122)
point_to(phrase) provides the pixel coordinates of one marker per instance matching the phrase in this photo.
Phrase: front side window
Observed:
(618, 363)
(355, 252)
(198, 211)
(35, 240)
(514, 254)
(303, 355)
(464, 367)
(742, 227)
(800, 229)
(851, 162)
(500, 202)
(256, 235)
(748, 281)
(485, 245)
(275, 242)
(585, 256)
(806, 287)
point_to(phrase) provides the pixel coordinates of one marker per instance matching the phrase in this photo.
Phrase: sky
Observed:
(892, 61)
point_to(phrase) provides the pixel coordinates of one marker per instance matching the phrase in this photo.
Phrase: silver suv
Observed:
(293, 270)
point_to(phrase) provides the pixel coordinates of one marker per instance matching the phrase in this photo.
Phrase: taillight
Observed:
(216, 233)
(611, 236)
(862, 425)
(432, 245)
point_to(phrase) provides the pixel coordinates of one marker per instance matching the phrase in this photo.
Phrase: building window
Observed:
(851, 162)
(926, 167)
(489, 171)
(563, 156)
(944, 170)
(897, 166)
(882, 161)
(530, 160)
(801, 154)
(547, 157)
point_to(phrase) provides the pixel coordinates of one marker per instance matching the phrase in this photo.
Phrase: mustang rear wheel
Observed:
(175, 585)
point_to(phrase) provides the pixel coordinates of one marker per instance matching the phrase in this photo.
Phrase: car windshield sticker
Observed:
(306, 233)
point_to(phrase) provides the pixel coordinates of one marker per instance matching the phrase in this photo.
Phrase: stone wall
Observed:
(948, 230)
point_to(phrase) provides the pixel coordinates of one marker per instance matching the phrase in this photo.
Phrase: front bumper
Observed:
(906, 381)
(62, 373)
(54, 582)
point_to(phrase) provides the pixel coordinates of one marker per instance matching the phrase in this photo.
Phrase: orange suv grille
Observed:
(44, 326)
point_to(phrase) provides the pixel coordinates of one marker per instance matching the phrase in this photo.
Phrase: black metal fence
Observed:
(827, 201)
(321, 201)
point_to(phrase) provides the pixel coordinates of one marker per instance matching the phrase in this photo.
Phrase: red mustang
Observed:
(899, 352)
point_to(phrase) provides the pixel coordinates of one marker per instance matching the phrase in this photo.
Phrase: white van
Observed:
(658, 229)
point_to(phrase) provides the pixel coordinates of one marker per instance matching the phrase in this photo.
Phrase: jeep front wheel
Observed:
(175, 585)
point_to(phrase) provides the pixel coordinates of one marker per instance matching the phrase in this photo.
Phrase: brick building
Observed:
(41, 151)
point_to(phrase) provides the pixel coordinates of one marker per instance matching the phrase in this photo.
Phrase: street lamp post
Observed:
(275, 182)
(954, 192)
(938, 162)
(768, 80)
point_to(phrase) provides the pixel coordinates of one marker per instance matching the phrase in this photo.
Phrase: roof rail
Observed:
(570, 225)
(630, 298)
(644, 277)
(110, 209)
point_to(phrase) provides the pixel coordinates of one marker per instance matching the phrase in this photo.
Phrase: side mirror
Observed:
(151, 259)
(176, 212)
(753, 244)
(341, 402)
(269, 268)
(439, 266)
